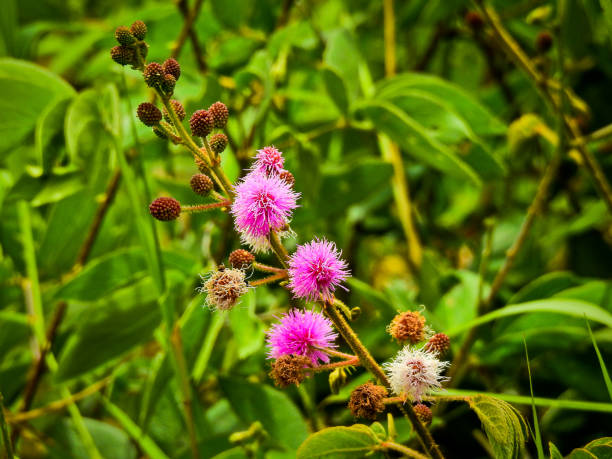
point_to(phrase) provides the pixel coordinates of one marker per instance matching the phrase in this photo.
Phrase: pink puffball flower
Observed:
(315, 270)
(262, 204)
(301, 333)
(414, 372)
(269, 161)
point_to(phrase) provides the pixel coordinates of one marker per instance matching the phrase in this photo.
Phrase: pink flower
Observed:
(300, 333)
(315, 269)
(262, 204)
(269, 160)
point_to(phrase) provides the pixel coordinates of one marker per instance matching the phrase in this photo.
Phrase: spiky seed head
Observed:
(408, 326)
(178, 109)
(439, 343)
(165, 209)
(159, 133)
(122, 55)
(544, 41)
(139, 30)
(201, 123)
(474, 20)
(423, 412)
(241, 259)
(367, 401)
(124, 36)
(172, 67)
(218, 142)
(154, 75)
(287, 177)
(149, 114)
(168, 84)
(220, 114)
(224, 287)
(201, 184)
(289, 369)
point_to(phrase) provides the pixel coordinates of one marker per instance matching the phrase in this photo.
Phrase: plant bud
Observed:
(224, 287)
(201, 165)
(408, 326)
(123, 36)
(122, 55)
(154, 75)
(439, 343)
(241, 259)
(337, 379)
(289, 369)
(139, 30)
(474, 20)
(423, 412)
(165, 209)
(168, 84)
(149, 114)
(172, 67)
(218, 142)
(220, 114)
(544, 41)
(367, 401)
(159, 133)
(201, 184)
(287, 177)
(178, 109)
(201, 123)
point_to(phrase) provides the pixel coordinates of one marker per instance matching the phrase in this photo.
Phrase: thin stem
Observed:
(8, 448)
(267, 268)
(187, 28)
(343, 363)
(269, 279)
(389, 33)
(205, 207)
(600, 134)
(335, 353)
(216, 167)
(279, 248)
(197, 49)
(408, 452)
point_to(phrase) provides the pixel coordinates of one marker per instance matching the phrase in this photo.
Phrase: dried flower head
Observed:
(414, 372)
(178, 109)
(289, 369)
(315, 270)
(408, 326)
(201, 123)
(224, 287)
(154, 75)
(122, 55)
(172, 67)
(241, 259)
(139, 30)
(262, 204)
(301, 333)
(269, 161)
(165, 209)
(149, 114)
(124, 36)
(367, 401)
(218, 142)
(287, 177)
(220, 114)
(201, 184)
(439, 343)
(423, 412)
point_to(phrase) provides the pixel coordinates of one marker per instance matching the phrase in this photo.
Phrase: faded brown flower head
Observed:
(289, 369)
(423, 412)
(367, 401)
(241, 259)
(408, 326)
(439, 343)
(224, 287)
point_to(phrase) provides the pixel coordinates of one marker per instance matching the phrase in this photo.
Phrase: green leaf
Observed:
(606, 5)
(602, 364)
(554, 451)
(342, 55)
(339, 443)
(28, 89)
(545, 286)
(248, 329)
(336, 89)
(505, 427)
(415, 139)
(573, 308)
(600, 449)
(49, 133)
(276, 412)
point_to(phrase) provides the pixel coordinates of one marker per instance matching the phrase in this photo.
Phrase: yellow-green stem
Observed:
(408, 452)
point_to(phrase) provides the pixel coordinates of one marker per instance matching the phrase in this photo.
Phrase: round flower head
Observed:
(414, 372)
(315, 269)
(301, 333)
(269, 160)
(262, 204)
(224, 287)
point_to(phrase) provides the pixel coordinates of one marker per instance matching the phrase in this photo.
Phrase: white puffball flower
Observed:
(414, 372)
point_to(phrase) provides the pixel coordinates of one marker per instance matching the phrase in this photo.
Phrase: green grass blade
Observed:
(536, 424)
(602, 364)
(6, 439)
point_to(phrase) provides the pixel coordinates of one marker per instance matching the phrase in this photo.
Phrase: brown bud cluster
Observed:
(201, 165)
(423, 412)
(172, 67)
(218, 142)
(128, 39)
(149, 114)
(168, 84)
(124, 36)
(220, 114)
(154, 75)
(367, 401)
(139, 30)
(289, 369)
(439, 343)
(201, 123)
(241, 259)
(122, 55)
(287, 177)
(201, 184)
(178, 109)
(408, 326)
(165, 209)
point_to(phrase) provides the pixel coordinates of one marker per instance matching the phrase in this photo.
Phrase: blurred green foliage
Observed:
(309, 77)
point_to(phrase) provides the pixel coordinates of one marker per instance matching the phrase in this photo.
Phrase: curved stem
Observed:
(279, 248)
(343, 363)
(408, 452)
(205, 207)
(269, 279)
(266, 268)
